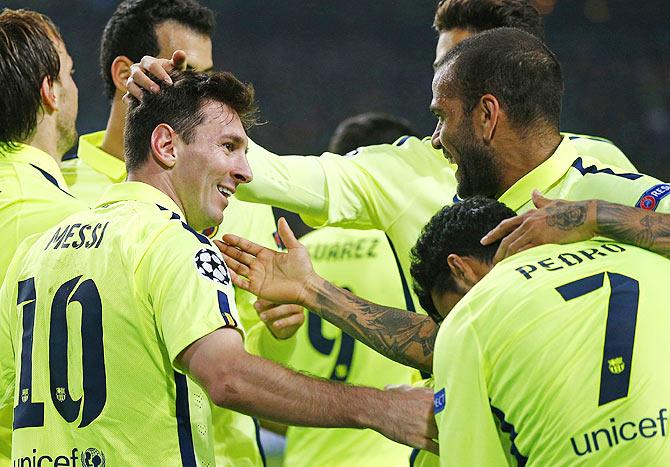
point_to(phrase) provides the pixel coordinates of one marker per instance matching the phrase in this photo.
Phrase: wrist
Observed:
(591, 224)
(310, 290)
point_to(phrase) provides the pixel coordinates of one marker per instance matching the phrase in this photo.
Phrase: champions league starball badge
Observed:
(211, 266)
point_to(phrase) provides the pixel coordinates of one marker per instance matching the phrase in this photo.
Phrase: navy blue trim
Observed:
(592, 169)
(261, 451)
(507, 427)
(402, 140)
(409, 303)
(201, 238)
(224, 309)
(413, 456)
(51, 179)
(182, 412)
(69, 157)
(456, 199)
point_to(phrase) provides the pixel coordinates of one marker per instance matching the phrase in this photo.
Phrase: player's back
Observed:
(94, 365)
(573, 340)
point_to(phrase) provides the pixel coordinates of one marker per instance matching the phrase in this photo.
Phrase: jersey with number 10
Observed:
(562, 359)
(97, 310)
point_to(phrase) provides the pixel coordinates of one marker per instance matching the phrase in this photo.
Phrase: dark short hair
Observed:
(180, 106)
(482, 15)
(28, 54)
(367, 129)
(514, 66)
(131, 31)
(454, 229)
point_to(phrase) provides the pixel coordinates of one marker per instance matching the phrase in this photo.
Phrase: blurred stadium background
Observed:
(314, 63)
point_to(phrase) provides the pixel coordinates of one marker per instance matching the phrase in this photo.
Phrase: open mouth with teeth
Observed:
(224, 191)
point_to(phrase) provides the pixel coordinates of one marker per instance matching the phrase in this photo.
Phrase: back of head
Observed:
(367, 129)
(180, 106)
(28, 54)
(482, 15)
(131, 31)
(514, 66)
(455, 229)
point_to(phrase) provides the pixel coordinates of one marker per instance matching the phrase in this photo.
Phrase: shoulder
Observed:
(600, 149)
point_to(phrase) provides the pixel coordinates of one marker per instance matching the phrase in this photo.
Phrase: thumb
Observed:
(179, 59)
(540, 201)
(286, 235)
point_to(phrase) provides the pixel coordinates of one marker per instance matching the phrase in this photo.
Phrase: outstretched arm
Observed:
(559, 221)
(405, 337)
(239, 381)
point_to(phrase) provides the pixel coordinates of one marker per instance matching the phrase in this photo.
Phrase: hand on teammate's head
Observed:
(139, 81)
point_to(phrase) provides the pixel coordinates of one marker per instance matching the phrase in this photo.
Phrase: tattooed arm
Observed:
(558, 221)
(400, 335)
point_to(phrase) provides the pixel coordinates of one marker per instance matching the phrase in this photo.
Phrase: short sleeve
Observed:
(188, 286)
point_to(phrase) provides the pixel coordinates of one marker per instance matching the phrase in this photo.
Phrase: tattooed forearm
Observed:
(567, 216)
(403, 336)
(649, 230)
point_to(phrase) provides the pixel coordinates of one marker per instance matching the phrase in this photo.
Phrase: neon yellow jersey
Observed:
(93, 171)
(362, 262)
(558, 357)
(97, 310)
(33, 198)
(395, 187)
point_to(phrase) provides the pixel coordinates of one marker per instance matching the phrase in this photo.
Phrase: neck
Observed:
(158, 179)
(522, 154)
(112, 143)
(45, 138)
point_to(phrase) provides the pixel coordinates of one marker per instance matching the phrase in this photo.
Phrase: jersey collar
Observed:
(89, 151)
(138, 191)
(27, 154)
(542, 177)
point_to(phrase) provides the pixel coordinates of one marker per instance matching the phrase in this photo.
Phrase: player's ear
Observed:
(120, 72)
(163, 142)
(486, 115)
(48, 95)
(464, 270)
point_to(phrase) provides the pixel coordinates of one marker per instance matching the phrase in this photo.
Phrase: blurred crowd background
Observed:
(314, 63)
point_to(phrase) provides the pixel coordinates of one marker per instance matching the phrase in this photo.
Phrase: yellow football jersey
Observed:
(93, 171)
(97, 310)
(558, 357)
(362, 262)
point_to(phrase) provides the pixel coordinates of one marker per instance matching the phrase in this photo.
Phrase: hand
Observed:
(283, 321)
(554, 221)
(139, 82)
(274, 276)
(409, 418)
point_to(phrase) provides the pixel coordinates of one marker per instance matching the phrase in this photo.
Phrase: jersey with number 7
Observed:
(562, 359)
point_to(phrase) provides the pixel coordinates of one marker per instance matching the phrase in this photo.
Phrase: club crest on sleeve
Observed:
(650, 198)
(211, 266)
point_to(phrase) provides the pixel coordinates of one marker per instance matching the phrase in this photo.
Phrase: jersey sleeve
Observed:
(615, 186)
(186, 283)
(362, 190)
(467, 430)
(7, 370)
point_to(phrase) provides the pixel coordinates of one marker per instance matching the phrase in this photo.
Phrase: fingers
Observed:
(286, 234)
(242, 244)
(502, 230)
(277, 312)
(261, 305)
(291, 321)
(503, 250)
(241, 256)
(132, 90)
(239, 281)
(159, 67)
(179, 59)
(235, 265)
(139, 79)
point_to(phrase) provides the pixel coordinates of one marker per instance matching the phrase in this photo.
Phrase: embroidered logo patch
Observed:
(211, 266)
(439, 401)
(650, 198)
